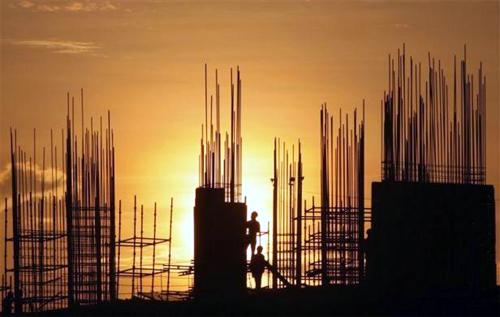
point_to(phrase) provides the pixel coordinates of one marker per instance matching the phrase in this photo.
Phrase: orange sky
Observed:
(143, 60)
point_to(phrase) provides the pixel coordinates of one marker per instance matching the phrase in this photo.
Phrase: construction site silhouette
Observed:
(423, 243)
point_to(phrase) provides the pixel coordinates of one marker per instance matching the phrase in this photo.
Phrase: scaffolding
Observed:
(90, 205)
(321, 245)
(425, 136)
(139, 271)
(60, 245)
(38, 236)
(62, 229)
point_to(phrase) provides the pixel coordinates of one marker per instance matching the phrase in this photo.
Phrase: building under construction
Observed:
(219, 212)
(62, 219)
(60, 246)
(431, 208)
(430, 228)
(433, 225)
(321, 244)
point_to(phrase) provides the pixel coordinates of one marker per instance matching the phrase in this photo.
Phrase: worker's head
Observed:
(259, 249)
(254, 215)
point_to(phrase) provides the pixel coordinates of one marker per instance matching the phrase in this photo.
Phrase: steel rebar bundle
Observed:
(287, 214)
(90, 210)
(321, 245)
(38, 233)
(426, 137)
(341, 214)
(222, 170)
(63, 228)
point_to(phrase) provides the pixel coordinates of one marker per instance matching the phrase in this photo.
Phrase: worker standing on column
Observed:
(253, 227)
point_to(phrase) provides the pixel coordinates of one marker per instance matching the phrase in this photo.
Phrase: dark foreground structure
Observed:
(332, 300)
(219, 245)
(430, 244)
(219, 213)
(432, 238)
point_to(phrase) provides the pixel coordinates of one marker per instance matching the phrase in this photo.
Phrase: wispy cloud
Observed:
(66, 6)
(402, 26)
(5, 179)
(60, 46)
(25, 4)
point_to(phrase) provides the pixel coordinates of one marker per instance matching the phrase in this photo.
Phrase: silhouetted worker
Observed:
(257, 267)
(368, 246)
(7, 304)
(18, 301)
(253, 227)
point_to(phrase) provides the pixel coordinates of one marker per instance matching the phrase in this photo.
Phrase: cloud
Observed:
(402, 26)
(6, 180)
(47, 8)
(76, 6)
(59, 46)
(25, 4)
(66, 6)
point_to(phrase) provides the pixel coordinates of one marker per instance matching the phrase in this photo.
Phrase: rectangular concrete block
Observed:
(220, 258)
(433, 237)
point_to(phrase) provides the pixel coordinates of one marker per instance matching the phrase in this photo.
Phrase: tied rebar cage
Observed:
(426, 137)
(321, 245)
(339, 229)
(90, 206)
(59, 231)
(37, 232)
(62, 228)
(217, 169)
(287, 214)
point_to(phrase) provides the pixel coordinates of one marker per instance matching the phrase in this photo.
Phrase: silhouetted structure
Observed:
(433, 222)
(139, 271)
(433, 226)
(322, 245)
(219, 250)
(62, 250)
(287, 219)
(63, 223)
(337, 227)
(431, 237)
(38, 266)
(219, 214)
(424, 137)
(222, 170)
(90, 212)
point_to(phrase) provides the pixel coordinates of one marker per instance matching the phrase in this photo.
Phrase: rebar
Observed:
(424, 138)
(217, 171)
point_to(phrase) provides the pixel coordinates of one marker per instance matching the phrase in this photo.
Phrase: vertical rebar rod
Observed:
(170, 245)
(134, 246)
(154, 252)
